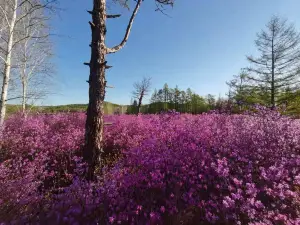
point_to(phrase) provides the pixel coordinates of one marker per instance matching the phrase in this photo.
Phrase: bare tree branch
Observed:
(160, 8)
(121, 45)
(113, 16)
(141, 89)
(5, 15)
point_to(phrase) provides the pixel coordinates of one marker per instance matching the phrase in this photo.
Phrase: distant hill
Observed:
(109, 108)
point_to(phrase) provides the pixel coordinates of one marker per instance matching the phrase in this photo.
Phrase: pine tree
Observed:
(278, 65)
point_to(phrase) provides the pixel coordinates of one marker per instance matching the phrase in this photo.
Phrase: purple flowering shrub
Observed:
(210, 169)
(173, 169)
(49, 141)
(37, 157)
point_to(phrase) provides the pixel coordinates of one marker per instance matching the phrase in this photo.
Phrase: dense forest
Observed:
(176, 99)
(240, 98)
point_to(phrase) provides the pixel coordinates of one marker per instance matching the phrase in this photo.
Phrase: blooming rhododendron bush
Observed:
(169, 169)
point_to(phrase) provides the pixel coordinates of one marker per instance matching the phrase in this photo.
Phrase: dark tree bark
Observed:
(97, 83)
(95, 111)
(140, 102)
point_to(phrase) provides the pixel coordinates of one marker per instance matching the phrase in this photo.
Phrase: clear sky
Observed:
(201, 46)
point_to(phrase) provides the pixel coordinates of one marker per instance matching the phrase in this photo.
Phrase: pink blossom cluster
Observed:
(174, 169)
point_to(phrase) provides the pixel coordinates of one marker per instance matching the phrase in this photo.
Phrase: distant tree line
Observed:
(167, 98)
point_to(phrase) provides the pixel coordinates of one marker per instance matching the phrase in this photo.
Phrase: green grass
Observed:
(109, 108)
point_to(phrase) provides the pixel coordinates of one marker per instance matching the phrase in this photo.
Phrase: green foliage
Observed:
(109, 108)
(211, 101)
(243, 95)
(132, 108)
(182, 101)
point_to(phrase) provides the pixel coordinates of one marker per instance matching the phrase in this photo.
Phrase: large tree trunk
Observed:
(7, 66)
(4, 94)
(140, 104)
(97, 83)
(138, 108)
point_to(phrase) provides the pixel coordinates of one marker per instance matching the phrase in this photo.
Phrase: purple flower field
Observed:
(160, 169)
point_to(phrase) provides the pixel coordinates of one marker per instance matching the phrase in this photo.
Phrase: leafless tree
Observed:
(11, 36)
(141, 89)
(97, 82)
(34, 55)
(9, 13)
(278, 65)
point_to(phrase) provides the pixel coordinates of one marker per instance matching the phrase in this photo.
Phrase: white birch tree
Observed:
(13, 14)
(34, 68)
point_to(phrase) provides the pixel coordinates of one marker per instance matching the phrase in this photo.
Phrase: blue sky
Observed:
(201, 46)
